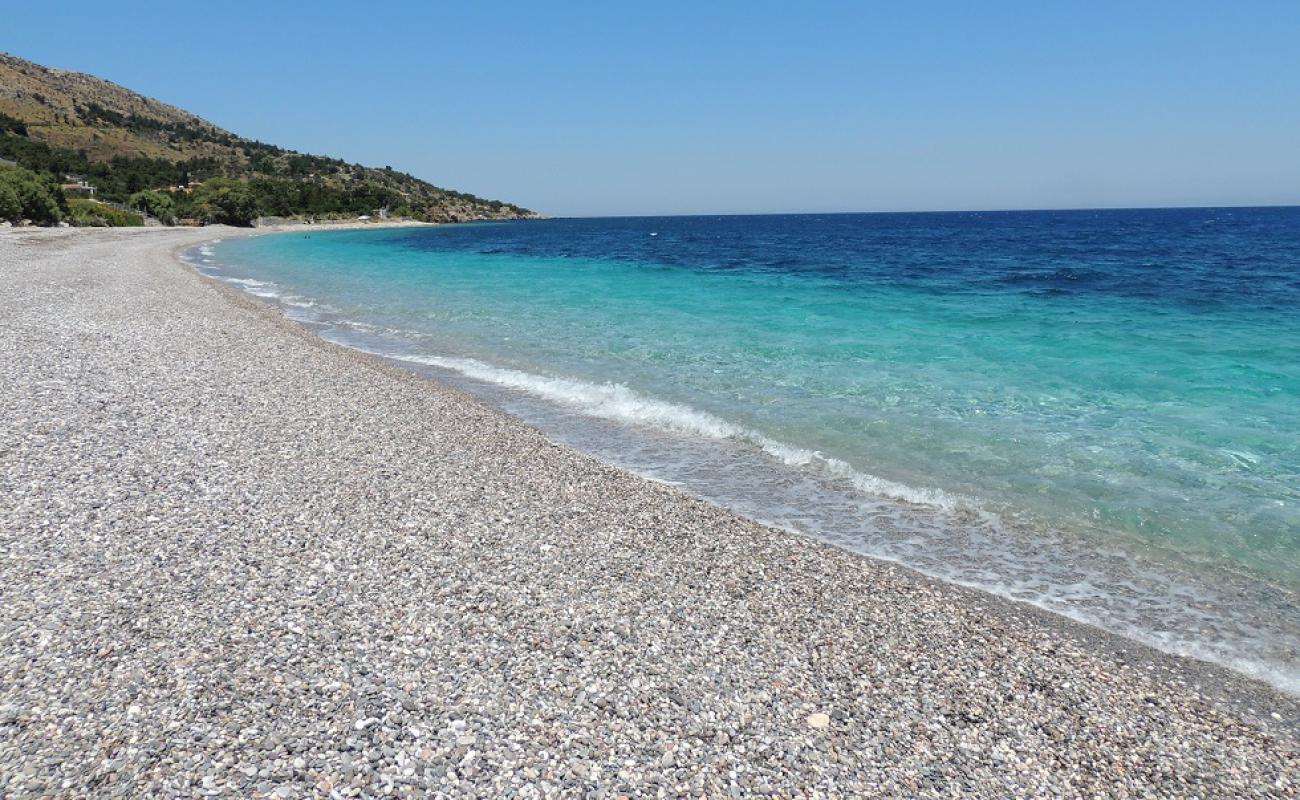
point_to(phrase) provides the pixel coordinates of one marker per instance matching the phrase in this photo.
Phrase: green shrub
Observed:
(30, 196)
(156, 204)
(11, 206)
(91, 214)
(227, 201)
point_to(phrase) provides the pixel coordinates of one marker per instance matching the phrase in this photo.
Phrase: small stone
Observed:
(819, 720)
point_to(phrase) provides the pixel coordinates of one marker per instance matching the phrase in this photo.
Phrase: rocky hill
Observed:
(59, 122)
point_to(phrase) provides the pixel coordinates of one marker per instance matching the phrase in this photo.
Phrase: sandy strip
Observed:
(235, 560)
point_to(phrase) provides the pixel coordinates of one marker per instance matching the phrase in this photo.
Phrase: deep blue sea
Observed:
(1097, 412)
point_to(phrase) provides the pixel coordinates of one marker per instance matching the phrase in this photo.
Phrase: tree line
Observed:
(254, 180)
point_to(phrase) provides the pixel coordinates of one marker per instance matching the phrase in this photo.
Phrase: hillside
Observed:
(60, 123)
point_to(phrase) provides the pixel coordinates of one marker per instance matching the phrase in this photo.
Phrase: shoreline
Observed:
(1245, 692)
(1195, 652)
(1218, 679)
(836, 630)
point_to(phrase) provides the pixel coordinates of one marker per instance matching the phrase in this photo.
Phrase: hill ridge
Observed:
(63, 122)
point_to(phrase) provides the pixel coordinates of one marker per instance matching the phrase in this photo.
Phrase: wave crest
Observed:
(618, 403)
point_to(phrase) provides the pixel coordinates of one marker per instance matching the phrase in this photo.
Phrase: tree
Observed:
(227, 201)
(39, 197)
(11, 207)
(156, 205)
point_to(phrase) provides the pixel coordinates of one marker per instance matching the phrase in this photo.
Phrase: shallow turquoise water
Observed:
(1111, 404)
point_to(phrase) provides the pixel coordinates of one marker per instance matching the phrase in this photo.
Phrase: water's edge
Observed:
(754, 467)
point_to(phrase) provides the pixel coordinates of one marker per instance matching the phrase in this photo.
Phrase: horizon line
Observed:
(921, 211)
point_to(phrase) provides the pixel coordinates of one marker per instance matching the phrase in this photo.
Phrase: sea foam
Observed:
(942, 535)
(940, 391)
(614, 401)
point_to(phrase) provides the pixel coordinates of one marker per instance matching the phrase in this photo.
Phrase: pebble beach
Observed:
(237, 561)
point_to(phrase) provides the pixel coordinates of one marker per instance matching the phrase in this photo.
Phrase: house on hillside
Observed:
(77, 186)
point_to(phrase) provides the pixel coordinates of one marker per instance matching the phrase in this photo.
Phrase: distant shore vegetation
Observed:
(44, 184)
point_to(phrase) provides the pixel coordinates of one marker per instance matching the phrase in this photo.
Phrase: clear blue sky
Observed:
(621, 108)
